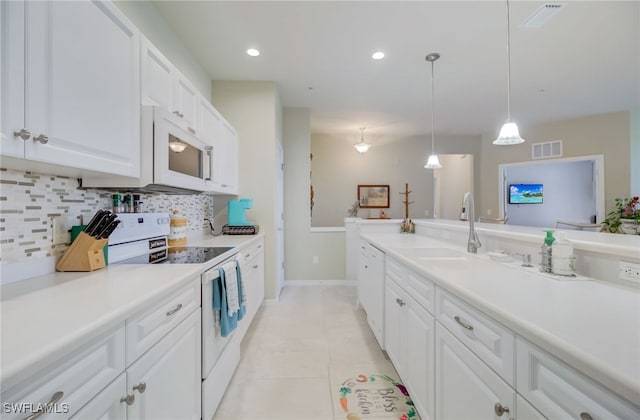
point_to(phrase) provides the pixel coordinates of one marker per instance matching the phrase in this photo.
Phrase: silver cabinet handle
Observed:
(209, 154)
(259, 246)
(500, 409)
(141, 387)
(247, 255)
(464, 324)
(129, 399)
(57, 396)
(224, 185)
(585, 416)
(42, 139)
(191, 130)
(256, 266)
(174, 310)
(24, 134)
(400, 302)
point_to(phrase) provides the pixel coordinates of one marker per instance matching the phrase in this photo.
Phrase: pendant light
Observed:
(433, 162)
(509, 133)
(362, 147)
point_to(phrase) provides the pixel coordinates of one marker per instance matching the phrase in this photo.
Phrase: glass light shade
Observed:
(433, 162)
(509, 134)
(177, 146)
(362, 147)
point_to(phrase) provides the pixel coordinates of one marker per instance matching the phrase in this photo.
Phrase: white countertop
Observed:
(591, 325)
(44, 317)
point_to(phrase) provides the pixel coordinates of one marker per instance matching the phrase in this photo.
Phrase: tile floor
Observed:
(296, 354)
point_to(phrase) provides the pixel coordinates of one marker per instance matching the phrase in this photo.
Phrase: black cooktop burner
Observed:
(178, 255)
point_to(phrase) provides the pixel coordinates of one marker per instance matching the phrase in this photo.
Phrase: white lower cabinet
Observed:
(466, 388)
(559, 391)
(165, 382)
(409, 342)
(106, 405)
(526, 411)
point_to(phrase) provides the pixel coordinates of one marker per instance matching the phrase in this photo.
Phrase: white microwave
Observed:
(173, 158)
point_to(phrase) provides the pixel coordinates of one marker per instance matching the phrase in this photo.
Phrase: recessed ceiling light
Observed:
(253, 52)
(378, 55)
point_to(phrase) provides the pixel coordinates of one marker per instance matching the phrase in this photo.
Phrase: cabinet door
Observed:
(375, 315)
(210, 131)
(156, 83)
(466, 388)
(166, 380)
(395, 325)
(106, 405)
(12, 78)
(363, 277)
(185, 102)
(420, 358)
(525, 411)
(83, 86)
(230, 157)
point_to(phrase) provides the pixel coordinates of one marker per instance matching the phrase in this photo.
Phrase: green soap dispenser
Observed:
(546, 252)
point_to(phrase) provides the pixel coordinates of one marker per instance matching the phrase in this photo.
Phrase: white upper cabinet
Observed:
(228, 160)
(157, 74)
(185, 103)
(71, 83)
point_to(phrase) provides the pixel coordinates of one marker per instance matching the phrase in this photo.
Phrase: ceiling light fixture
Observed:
(378, 55)
(509, 133)
(433, 162)
(177, 146)
(253, 52)
(362, 147)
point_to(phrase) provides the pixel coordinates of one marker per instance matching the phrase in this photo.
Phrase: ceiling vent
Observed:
(549, 149)
(543, 14)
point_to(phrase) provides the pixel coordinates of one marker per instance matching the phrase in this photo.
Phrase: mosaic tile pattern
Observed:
(29, 201)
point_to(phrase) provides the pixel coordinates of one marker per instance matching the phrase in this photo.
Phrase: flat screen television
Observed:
(525, 193)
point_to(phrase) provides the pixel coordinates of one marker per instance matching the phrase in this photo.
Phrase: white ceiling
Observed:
(585, 60)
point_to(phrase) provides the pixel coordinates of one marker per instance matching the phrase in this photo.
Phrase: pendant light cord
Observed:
(508, 66)
(433, 113)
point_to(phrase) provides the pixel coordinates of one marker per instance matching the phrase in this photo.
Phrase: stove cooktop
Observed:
(178, 255)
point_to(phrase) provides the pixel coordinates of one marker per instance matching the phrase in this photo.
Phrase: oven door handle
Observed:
(213, 273)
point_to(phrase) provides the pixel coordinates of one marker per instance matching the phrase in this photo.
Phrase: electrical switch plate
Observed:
(59, 230)
(629, 271)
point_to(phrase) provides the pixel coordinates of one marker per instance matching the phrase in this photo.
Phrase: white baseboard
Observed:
(320, 283)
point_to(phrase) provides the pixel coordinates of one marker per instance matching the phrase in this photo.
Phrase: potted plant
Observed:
(625, 218)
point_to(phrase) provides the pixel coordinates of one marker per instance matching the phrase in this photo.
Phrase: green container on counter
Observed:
(75, 231)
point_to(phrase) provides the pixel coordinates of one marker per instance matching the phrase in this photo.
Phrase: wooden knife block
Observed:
(84, 254)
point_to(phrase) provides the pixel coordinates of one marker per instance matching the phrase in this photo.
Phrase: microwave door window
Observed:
(184, 158)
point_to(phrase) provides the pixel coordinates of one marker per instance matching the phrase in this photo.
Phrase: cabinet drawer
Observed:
(149, 326)
(490, 341)
(249, 253)
(560, 391)
(78, 376)
(395, 270)
(422, 290)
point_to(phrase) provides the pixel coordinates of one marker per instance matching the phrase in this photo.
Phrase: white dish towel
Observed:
(231, 286)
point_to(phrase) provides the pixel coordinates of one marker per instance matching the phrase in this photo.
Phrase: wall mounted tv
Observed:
(525, 193)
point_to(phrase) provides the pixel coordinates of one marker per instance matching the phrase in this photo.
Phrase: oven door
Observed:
(213, 343)
(180, 158)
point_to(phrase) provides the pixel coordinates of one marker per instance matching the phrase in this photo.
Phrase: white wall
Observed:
(453, 180)
(603, 134)
(253, 109)
(301, 245)
(337, 169)
(568, 193)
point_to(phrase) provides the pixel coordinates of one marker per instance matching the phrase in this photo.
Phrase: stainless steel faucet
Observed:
(468, 213)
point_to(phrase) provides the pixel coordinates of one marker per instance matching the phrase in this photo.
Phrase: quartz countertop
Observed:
(590, 325)
(45, 317)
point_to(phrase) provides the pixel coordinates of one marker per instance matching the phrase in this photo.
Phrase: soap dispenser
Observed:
(562, 256)
(547, 252)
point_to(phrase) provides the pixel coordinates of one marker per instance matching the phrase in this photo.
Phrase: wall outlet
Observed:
(59, 231)
(316, 260)
(629, 271)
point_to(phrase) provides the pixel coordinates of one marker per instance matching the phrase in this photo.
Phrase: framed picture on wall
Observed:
(373, 196)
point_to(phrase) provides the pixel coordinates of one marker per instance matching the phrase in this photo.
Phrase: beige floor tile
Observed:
(277, 399)
(298, 352)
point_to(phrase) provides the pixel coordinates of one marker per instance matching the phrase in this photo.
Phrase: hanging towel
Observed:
(227, 323)
(231, 285)
(242, 296)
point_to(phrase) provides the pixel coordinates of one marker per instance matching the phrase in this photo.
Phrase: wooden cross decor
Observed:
(406, 200)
